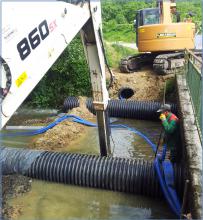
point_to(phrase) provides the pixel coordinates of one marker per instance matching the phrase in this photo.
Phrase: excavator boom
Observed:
(31, 44)
(34, 34)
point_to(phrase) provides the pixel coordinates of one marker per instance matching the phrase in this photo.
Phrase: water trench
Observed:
(58, 201)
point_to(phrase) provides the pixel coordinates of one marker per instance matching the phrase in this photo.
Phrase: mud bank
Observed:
(147, 85)
(13, 186)
(64, 134)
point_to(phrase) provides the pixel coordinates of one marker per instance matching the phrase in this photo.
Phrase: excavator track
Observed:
(163, 64)
(170, 63)
(134, 63)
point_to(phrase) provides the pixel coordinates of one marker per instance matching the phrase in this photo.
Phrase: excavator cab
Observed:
(146, 16)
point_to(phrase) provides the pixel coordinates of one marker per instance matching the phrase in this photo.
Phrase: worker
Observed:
(188, 18)
(170, 124)
(175, 13)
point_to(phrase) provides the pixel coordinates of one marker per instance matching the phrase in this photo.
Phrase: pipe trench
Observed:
(116, 174)
(141, 110)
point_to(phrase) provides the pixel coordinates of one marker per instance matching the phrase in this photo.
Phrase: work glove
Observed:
(162, 117)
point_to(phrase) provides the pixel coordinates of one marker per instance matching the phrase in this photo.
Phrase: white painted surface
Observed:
(21, 21)
(198, 41)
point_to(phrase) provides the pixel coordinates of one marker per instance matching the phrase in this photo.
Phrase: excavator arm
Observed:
(34, 34)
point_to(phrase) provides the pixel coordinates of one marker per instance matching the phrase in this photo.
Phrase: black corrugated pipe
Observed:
(117, 174)
(70, 103)
(145, 110)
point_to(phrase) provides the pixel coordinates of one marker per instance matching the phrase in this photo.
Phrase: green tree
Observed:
(120, 19)
(68, 76)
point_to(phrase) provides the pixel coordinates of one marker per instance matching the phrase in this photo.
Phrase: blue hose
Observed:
(81, 121)
(153, 146)
(170, 197)
(44, 129)
(165, 174)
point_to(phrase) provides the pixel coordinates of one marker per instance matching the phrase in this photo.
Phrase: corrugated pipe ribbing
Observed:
(144, 110)
(117, 174)
(70, 103)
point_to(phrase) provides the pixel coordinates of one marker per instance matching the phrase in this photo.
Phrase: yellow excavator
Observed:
(160, 40)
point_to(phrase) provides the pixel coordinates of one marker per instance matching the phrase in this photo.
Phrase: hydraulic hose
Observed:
(141, 110)
(117, 174)
(106, 61)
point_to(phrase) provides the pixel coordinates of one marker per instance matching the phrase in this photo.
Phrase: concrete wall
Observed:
(192, 145)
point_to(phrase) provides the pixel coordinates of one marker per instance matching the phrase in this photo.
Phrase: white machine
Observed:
(34, 34)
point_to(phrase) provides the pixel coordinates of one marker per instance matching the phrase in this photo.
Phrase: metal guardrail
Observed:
(193, 67)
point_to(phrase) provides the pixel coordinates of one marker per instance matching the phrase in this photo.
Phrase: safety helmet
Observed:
(164, 107)
(173, 5)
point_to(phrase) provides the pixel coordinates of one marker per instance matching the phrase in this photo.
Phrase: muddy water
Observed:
(59, 201)
(124, 143)
(19, 118)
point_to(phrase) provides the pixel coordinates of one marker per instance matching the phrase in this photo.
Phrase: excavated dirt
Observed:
(147, 85)
(64, 134)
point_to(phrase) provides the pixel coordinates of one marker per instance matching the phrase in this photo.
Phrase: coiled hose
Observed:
(144, 110)
(70, 103)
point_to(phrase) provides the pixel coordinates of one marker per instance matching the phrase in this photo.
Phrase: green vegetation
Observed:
(170, 85)
(115, 52)
(118, 16)
(194, 7)
(169, 91)
(119, 32)
(68, 76)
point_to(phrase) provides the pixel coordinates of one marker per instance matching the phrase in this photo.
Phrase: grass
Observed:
(119, 32)
(115, 52)
(114, 32)
(170, 90)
